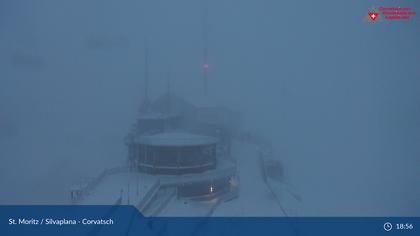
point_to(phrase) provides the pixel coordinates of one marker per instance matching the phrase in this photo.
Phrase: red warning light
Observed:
(373, 15)
(205, 66)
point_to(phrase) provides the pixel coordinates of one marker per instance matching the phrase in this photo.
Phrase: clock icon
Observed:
(387, 226)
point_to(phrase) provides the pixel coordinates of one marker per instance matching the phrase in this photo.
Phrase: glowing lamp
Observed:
(205, 66)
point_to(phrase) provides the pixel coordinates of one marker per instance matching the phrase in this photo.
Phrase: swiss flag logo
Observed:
(373, 15)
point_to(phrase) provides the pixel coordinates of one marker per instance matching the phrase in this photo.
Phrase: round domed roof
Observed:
(179, 139)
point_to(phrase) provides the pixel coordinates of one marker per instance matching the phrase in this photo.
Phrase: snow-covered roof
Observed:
(171, 103)
(178, 139)
(155, 116)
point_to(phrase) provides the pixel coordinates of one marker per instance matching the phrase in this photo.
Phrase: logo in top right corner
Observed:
(389, 13)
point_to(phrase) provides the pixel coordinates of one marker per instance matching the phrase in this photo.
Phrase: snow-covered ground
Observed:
(131, 187)
(255, 198)
(185, 207)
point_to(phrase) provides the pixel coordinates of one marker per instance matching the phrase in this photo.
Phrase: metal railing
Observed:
(148, 197)
(92, 184)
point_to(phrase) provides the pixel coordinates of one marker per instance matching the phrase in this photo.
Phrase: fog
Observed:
(339, 97)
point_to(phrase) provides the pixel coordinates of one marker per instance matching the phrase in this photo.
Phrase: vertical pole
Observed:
(205, 45)
(137, 190)
(146, 70)
(168, 90)
(128, 191)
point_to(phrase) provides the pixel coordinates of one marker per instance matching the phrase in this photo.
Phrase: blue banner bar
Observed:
(127, 220)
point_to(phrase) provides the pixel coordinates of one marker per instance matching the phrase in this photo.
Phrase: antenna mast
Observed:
(168, 91)
(146, 71)
(205, 45)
